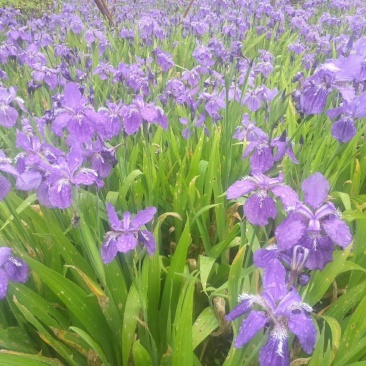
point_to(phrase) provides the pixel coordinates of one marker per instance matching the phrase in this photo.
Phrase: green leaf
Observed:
(16, 339)
(127, 182)
(205, 265)
(132, 310)
(347, 301)
(8, 358)
(234, 276)
(204, 325)
(321, 280)
(140, 355)
(93, 345)
(336, 334)
(354, 330)
(182, 350)
(82, 306)
(60, 348)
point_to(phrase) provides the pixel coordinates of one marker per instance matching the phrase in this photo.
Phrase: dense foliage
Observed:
(183, 190)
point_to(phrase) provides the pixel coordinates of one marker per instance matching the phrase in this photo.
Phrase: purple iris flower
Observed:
(8, 114)
(293, 260)
(128, 34)
(126, 233)
(313, 97)
(46, 74)
(101, 158)
(260, 206)
(148, 29)
(138, 112)
(75, 24)
(76, 114)
(204, 57)
(6, 167)
(164, 59)
(248, 130)
(32, 56)
(197, 122)
(263, 153)
(264, 68)
(213, 103)
(11, 268)
(56, 189)
(283, 312)
(254, 98)
(344, 128)
(314, 225)
(104, 69)
(192, 77)
(133, 77)
(111, 125)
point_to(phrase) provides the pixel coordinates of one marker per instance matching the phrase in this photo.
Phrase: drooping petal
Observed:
(114, 222)
(316, 189)
(275, 352)
(149, 114)
(262, 160)
(143, 217)
(81, 128)
(263, 256)
(29, 180)
(274, 279)
(303, 327)
(287, 195)
(344, 130)
(60, 122)
(60, 194)
(126, 243)
(147, 238)
(3, 284)
(109, 248)
(240, 188)
(259, 210)
(43, 196)
(250, 326)
(75, 158)
(338, 231)
(132, 120)
(243, 307)
(284, 306)
(85, 176)
(314, 99)
(72, 97)
(5, 253)
(8, 116)
(4, 187)
(290, 231)
(320, 251)
(16, 269)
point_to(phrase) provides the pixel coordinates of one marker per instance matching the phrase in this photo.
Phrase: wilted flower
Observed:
(127, 233)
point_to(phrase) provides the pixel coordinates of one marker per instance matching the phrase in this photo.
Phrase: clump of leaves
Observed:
(30, 8)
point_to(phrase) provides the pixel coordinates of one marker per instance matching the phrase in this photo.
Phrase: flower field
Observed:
(183, 184)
